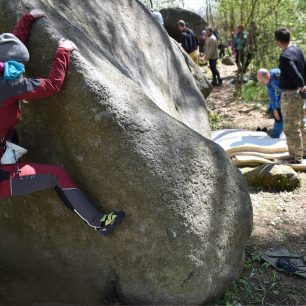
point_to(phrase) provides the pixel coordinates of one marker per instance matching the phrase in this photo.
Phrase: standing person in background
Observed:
(240, 45)
(188, 40)
(211, 53)
(221, 47)
(292, 84)
(271, 80)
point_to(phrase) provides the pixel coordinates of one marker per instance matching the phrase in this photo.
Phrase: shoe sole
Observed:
(113, 226)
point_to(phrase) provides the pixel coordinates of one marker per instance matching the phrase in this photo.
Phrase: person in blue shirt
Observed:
(271, 80)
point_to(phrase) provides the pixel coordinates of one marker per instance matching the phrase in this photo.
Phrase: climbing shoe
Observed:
(264, 129)
(110, 221)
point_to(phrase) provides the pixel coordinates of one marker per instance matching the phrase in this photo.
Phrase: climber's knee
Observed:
(64, 180)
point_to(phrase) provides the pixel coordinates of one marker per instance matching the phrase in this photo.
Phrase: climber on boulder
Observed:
(17, 178)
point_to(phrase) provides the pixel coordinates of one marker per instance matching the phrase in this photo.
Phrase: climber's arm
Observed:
(42, 88)
(23, 26)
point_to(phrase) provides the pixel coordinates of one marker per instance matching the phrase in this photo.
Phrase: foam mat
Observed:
(251, 148)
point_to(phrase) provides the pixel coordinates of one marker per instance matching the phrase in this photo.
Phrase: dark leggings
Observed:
(22, 179)
(222, 53)
(214, 70)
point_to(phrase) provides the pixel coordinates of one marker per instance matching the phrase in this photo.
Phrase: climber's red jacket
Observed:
(27, 88)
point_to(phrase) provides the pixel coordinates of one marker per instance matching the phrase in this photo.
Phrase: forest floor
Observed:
(279, 218)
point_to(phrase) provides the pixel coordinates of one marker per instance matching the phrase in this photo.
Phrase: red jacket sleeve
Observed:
(53, 84)
(23, 27)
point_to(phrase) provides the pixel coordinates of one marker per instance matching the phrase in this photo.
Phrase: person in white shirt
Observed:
(211, 53)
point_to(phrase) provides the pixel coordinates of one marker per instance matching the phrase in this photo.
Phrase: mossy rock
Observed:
(272, 177)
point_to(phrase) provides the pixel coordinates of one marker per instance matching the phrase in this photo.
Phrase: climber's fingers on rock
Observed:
(67, 44)
(37, 14)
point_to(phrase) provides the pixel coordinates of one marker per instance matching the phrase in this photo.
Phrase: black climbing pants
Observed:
(22, 179)
(214, 70)
(222, 53)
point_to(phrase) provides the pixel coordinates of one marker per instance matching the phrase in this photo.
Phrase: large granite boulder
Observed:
(173, 15)
(131, 127)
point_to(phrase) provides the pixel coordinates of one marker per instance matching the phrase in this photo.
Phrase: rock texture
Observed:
(273, 177)
(201, 81)
(131, 127)
(173, 15)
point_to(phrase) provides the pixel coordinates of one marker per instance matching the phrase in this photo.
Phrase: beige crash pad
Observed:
(270, 156)
(249, 160)
(233, 141)
(251, 148)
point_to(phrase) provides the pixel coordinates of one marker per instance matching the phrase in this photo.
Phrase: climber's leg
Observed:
(28, 178)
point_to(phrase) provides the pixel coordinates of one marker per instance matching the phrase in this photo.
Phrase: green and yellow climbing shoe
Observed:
(110, 221)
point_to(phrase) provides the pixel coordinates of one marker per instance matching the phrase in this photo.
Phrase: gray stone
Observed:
(173, 15)
(131, 127)
(200, 78)
(273, 177)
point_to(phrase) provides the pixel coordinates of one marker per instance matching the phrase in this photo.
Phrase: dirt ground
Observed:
(236, 113)
(279, 218)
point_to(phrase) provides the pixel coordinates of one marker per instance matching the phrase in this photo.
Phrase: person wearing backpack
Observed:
(18, 178)
(189, 41)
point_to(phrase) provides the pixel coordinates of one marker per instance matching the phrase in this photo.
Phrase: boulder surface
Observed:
(131, 127)
(201, 81)
(272, 177)
(173, 15)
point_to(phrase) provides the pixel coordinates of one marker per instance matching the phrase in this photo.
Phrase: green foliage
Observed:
(254, 92)
(215, 120)
(248, 289)
(267, 16)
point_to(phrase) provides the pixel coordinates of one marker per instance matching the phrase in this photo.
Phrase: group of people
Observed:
(243, 45)
(208, 44)
(286, 85)
(18, 178)
(287, 91)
